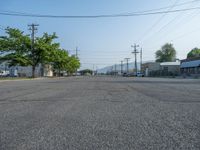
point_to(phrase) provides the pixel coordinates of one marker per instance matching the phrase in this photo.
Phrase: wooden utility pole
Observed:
(135, 52)
(33, 28)
(141, 60)
(122, 67)
(127, 64)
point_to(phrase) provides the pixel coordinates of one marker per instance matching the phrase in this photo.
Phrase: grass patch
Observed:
(15, 78)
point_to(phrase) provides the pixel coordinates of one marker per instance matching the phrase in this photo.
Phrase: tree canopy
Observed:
(16, 49)
(195, 52)
(167, 53)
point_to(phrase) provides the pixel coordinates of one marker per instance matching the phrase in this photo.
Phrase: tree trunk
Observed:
(33, 71)
(59, 72)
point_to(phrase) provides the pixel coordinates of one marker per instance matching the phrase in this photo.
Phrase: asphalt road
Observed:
(89, 113)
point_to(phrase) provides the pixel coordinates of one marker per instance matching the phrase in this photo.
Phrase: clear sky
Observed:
(107, 41)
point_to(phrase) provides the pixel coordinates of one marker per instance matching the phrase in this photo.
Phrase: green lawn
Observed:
(14, 78)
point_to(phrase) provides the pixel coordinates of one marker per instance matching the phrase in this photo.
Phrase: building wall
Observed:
(27, 71)
(161, 69)
(48, 71)
(171, 68)
(190, 70)
(149, 67)
(190, 67)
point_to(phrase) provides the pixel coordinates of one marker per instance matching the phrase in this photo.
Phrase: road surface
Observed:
(89, 113)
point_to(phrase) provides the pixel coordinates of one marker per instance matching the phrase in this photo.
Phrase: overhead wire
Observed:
(17, 13)
(98, 16)
(183, 23)
(195, 14)
(170, 22)
(147, 32)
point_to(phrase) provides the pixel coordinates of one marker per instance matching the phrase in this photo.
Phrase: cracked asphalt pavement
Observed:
(88, 113)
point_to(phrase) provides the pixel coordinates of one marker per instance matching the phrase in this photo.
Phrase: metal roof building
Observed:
(190, 64)
(176, 63)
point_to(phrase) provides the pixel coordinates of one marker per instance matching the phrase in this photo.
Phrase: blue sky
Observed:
(107, 41)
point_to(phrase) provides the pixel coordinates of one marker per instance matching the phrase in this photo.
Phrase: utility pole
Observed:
(127, 60)
(135, 52)
(122, 67)
(33, 28)
(93, 70)
(115, 69)
(141, 60)
(76, 52)
(77, 58)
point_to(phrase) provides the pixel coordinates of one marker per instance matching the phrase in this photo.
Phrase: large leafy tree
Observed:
(195, 52)
(73, 64)
(60, 60)
(15, 48)
(167, 53)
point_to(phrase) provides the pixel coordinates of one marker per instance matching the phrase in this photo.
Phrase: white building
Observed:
(161, 69)
(20, 71)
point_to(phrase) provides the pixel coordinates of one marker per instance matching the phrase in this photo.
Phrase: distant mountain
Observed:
(118, 68)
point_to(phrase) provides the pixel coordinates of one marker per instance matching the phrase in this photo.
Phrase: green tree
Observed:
(60, 61)
(167, 53)
(16, 49)
(195, 52)
(73, 64)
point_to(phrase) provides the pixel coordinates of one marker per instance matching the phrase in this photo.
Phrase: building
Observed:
(26, 71)
(161, 69)
(149, 67)
(171, 67)
(190, 67)
(4, 69)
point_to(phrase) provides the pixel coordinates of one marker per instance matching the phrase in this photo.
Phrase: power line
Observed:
(7, 12)
(167, 24)
(170, 6)
(185, 34)
(99, 16)
(183, 23)
(158, 21)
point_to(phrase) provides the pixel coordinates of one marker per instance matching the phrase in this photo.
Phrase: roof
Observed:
(190, 59)
(176, 63)
(189, 64)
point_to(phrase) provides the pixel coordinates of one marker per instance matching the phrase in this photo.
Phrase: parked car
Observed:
(128, 74)
(4, 73)
(139, 74)
(133, 74)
